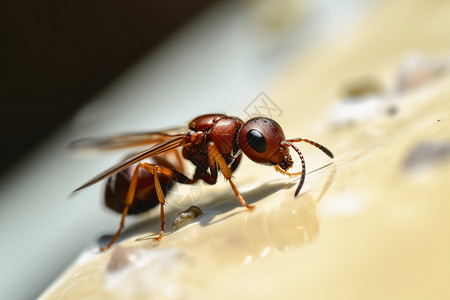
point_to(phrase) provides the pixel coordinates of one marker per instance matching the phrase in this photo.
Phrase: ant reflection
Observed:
(280, 226)
(291, 224)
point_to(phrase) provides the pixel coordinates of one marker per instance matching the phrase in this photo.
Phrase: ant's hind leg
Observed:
(154, 170)
(129, 201)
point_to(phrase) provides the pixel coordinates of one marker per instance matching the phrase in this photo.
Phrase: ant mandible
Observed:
(213, 142)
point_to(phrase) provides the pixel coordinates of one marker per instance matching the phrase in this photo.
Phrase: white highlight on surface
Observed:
(248, 260)
(88, 255)
(265, 252)
(154, 272)
(344, 204)
(351, 112)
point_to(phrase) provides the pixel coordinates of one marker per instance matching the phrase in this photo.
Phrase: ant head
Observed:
(263, 141)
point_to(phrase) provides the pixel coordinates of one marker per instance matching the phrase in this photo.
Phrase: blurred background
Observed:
(55, 56)
(75, 69)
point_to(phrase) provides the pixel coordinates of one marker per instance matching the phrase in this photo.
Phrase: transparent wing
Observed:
(175, 142)
(92, 145)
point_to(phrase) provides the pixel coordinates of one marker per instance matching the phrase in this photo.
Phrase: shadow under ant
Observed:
(257, 194)
(221, 204)
(224, 203)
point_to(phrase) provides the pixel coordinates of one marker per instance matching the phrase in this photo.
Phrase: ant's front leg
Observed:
(154, 170)
(278, 169)
(215, 156)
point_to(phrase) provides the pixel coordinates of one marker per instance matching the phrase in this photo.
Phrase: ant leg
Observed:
(235, 163)
(215, 156)
(173, 174)
(211, 177)
(128, 203)
(153, 169)
(278, 169)
(161, 199)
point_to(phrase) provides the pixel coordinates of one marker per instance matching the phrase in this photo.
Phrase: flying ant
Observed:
(213, 143)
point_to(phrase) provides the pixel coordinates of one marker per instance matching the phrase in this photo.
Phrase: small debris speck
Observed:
(186, 217)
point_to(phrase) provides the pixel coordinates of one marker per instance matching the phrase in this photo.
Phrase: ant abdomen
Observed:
(145, 197)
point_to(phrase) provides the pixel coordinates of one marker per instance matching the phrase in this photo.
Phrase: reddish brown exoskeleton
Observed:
(212, 143)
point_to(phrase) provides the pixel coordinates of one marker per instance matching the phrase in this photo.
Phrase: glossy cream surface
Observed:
(373, 224)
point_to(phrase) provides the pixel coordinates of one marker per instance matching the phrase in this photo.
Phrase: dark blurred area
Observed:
(56, 55)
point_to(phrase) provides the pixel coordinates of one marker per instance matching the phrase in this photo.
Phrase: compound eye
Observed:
(256, 141)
